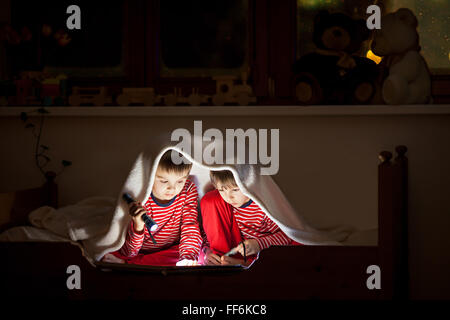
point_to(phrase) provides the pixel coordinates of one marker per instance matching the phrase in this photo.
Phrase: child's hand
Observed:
(251, 247)
(136, 210)
(186, 262)
(110, 258)
(211, 258)
(225, 260)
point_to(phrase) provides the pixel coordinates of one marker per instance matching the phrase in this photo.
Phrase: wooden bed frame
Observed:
(38, 269)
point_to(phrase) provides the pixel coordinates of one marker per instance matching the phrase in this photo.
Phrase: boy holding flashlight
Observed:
(236, 229)
(172, 205)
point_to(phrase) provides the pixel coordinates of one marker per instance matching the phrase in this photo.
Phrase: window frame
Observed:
(165, 85)
(133, 50)
(272, 50)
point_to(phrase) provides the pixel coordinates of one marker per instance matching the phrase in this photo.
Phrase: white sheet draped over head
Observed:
(260, 188)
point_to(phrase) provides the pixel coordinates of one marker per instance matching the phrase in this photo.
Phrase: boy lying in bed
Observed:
(173, 206)
(231, 220)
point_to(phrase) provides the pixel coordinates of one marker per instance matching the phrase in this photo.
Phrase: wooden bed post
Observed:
(393, 224)
(385, 223)
(401, 289)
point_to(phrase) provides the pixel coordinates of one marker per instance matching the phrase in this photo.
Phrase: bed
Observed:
(39, 269)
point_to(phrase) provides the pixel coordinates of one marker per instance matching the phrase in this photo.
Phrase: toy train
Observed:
(226, 92)
(36, 88)
(145, 96)
(93, 95)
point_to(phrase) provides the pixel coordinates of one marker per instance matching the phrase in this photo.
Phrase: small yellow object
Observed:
(370, 55)
(50, 81)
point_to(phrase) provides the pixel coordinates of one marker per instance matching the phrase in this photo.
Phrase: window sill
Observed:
(208, 111)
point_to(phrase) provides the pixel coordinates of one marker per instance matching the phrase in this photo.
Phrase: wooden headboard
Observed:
(393, 222)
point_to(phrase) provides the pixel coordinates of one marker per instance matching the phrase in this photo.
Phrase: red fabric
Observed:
(167, 257)
(222, 231)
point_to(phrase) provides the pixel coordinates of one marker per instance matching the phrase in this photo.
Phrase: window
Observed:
(95, 50)
(203, 38)
(307, 10)
(433, 16)
(434, 30)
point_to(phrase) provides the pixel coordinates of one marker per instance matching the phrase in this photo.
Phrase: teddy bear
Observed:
(334, 73)
(405, 77)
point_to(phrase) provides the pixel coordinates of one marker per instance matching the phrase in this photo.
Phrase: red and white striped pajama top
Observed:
(177, 224)
(255, 224)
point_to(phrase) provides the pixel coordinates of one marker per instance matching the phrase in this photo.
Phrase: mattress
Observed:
(367, 237)
(30, 234)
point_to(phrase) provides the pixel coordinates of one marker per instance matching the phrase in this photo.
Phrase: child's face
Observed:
(232, 195)
(168, 184)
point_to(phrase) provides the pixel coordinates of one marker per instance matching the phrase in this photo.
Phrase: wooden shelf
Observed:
(211, 111)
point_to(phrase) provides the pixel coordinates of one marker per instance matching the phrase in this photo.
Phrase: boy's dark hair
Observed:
(166, 163)
(224, 177)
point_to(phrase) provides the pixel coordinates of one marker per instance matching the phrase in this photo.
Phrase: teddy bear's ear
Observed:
(407, 16)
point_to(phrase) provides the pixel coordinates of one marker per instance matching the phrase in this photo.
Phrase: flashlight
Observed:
(149, 222)
(231, 252)
(236, 250)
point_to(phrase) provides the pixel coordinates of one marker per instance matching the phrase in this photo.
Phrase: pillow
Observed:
(16, 206)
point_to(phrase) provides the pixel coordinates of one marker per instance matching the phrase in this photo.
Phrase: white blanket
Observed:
(83, 220)
(100, 223)
(261, 188)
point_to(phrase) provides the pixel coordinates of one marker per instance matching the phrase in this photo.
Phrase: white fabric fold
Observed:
(83, 220)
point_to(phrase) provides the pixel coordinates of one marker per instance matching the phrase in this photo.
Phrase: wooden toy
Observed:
(38, 88)
(28, 92)
(89, 95)
(33, 75)
(196, 99)
(50, 89)
(228, 92)
(145, 96)
(173, 98)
